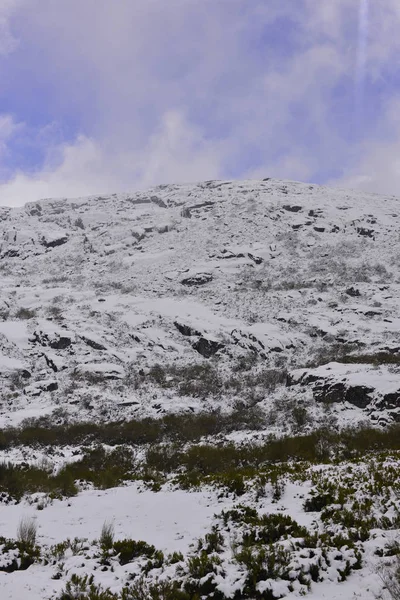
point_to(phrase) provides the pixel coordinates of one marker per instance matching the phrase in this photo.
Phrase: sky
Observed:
(101, 96)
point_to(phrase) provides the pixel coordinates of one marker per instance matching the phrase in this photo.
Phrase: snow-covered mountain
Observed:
(293, 278)
(249, 310)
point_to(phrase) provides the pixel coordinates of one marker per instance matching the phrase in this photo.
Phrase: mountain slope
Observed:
(266, 280)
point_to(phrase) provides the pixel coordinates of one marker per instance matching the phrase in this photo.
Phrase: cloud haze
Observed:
(107, 96)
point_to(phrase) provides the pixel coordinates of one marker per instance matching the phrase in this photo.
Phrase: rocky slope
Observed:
(294, 286)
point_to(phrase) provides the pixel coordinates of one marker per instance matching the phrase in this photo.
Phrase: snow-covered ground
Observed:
(283, 294)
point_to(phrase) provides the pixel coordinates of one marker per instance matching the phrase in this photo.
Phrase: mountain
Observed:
(255, 275)
(200, 394)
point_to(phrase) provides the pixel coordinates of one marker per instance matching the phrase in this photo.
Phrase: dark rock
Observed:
(290, 208)
(11, 253)
(391, 400)
(158, 201)
(257, 259)
(351, 291)
(54, 243)
(356, 395)
(50, 363)
(93, 344)
(186, 330)
(51, 386)
(198, 279)
(61, 343)
(58, 342)
(359, 395)
(366, 232)
(207, 348)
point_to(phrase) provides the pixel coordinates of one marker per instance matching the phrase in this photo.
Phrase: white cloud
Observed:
(186, 90)
(8, 41)
(377, 167)
(176, 152)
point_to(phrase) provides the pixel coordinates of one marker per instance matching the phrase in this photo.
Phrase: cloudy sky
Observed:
(112, 95)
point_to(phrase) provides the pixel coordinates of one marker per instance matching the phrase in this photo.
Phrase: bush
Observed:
(127, 550)
(25, 313)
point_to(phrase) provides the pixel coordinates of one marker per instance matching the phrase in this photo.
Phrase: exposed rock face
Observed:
(56, 341)
(351, 291)
(36, 389)
(93, 343)
(52, 241)
(357, 395)
(207, 348)
(186, 330)
(335, 383)
(197, 279)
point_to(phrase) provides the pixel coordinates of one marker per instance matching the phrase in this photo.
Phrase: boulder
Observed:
(207, 348)
(197, 279)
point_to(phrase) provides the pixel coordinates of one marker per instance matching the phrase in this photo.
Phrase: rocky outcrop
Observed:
(37, 388)
(207, 348)
(53, 340)
(197, 279)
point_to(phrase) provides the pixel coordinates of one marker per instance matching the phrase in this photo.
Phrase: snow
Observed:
(280, 258)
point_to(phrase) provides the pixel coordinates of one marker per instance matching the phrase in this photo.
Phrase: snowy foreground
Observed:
(246, 311)
(173, 520)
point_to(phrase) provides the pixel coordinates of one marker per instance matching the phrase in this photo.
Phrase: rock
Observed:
(328, 392)
(207, 348)
(92, 343)
(366, 232)
(53, 340)
(351, 291)
(186, 330)
(101, 370)
(197, 279)
(290, 208)
(391, 400)
(158, 201)
(37, 388)
(53, 240)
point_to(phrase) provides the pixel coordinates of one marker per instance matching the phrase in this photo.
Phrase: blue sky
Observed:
(110, 95)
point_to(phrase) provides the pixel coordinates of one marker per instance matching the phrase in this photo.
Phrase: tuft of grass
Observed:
(27, 531)
(107, 535)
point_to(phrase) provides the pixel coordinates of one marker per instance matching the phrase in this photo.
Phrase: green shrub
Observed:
(127, 550)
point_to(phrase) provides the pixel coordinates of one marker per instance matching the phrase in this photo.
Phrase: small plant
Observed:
(83, 588)
(27, 531)
(107, 535)
(390, 576)
(79, 223)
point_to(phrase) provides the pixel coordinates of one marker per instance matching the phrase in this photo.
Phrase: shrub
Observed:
(127, 550)
(25, 313)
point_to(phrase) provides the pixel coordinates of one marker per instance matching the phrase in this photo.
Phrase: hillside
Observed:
(200, 394)
(278, 275)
